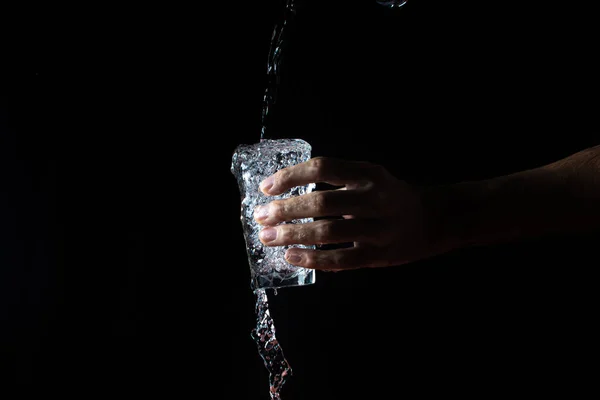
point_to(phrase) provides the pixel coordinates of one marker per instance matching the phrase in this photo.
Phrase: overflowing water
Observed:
(263, 333)
(251, 163)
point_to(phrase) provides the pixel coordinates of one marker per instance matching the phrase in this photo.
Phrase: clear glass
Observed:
(251, 164)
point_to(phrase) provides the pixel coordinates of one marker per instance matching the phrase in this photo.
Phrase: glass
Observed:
(251, 164)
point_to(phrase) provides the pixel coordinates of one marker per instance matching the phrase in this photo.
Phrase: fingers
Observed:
(332, 171)
(335, 260)
(323, 232)
(326, 203)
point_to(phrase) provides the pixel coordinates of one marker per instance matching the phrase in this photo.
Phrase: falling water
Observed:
(252, 163)
(274, 63)
(268, 346)
(264, 332)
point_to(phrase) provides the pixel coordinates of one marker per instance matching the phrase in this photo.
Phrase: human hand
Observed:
(384, 217)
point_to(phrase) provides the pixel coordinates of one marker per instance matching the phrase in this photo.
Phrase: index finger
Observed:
(333, 171)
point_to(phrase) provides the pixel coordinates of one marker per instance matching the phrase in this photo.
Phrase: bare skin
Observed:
(392, 223)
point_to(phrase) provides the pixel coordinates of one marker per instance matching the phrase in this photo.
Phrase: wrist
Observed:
(451, 210)
(560, 198)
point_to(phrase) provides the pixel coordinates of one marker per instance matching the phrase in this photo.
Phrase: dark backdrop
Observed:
(123, 261)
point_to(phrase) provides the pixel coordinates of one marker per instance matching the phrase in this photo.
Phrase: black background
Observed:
(123, 263)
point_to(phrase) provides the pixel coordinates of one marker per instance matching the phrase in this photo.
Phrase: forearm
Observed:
(562, 197)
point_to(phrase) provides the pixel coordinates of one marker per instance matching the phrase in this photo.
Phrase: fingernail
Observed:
(261, 212)
(268, 234)
(267, 184)
(293, 257)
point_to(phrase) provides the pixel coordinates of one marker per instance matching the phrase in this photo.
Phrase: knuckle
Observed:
(318, 164)
(368, 203)
(309, 261)
(322, 201)
(282, 175)
(277, 209)
(378, 172)
(379, 169)
(328, 259)
(324, 230)
(336, 261)
(286, 233)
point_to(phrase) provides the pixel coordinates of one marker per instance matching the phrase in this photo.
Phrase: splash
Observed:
(268, 346)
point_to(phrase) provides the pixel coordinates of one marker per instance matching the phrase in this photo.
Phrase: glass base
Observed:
(304, 277)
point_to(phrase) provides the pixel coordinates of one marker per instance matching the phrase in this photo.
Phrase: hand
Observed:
(382, 216)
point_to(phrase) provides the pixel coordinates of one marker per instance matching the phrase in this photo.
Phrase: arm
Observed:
(392, 223)
(562, 197)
